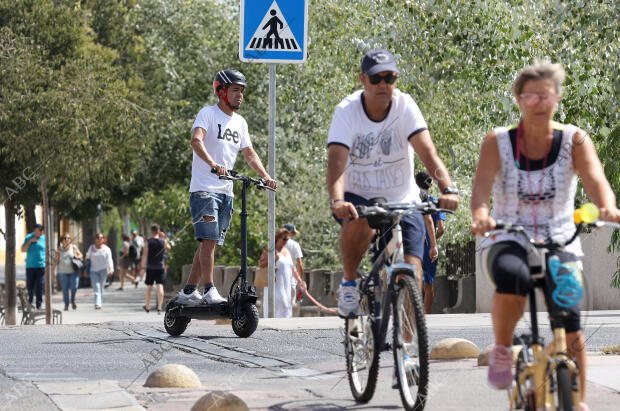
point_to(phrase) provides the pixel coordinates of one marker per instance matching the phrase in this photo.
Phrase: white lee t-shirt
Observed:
(380, 161)
(225, 136)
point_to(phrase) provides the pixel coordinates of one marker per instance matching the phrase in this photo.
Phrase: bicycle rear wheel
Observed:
(410, 344)
(564, 391)
(360, 349)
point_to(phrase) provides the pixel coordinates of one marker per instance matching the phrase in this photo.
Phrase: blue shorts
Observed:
(414, 230)
(429, 267)
(217, 205)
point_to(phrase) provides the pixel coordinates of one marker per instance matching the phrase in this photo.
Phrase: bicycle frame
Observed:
(543, 362)
(391, 257)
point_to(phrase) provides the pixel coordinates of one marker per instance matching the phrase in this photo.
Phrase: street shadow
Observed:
(327, 405)
(114, 341)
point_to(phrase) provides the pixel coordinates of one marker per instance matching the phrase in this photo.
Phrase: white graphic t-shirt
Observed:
(380, 162)
(225, 135)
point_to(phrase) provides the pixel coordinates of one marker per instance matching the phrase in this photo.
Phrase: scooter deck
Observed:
(203, 311)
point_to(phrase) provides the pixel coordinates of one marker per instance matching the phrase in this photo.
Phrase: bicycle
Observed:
(547, 378)
(391, 285)
(241, 303)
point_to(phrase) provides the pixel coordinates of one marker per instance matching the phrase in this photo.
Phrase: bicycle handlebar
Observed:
(232, 175)
(505, 228)
(400, 209)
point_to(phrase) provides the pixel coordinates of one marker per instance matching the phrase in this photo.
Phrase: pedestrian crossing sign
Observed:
(273, 31)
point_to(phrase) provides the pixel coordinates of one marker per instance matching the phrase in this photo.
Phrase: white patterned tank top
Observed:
(514, 195)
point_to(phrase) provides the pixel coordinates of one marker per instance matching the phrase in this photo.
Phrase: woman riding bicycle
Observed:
(532, 169)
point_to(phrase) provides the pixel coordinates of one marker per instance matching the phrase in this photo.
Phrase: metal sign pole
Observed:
(272, 195)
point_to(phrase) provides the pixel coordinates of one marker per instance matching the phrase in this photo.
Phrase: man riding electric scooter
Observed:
(218, 134)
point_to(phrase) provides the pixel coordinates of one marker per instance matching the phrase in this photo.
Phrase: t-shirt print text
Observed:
(363, 145)
(228, 135)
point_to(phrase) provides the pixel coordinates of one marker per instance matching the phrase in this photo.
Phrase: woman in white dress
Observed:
(285, 271)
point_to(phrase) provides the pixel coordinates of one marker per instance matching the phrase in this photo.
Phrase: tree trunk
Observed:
(9, 264)
(30, 217)
(48, 242)
(89, 229)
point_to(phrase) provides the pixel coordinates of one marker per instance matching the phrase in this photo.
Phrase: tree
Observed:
(66, 118)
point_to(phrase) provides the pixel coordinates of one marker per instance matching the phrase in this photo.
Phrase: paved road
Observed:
(286, 364)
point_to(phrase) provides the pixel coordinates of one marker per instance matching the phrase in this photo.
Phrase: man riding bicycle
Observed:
(371, 143)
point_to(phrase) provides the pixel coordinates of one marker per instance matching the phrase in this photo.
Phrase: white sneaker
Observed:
(348, 301)
(213, 297)
(192, 299)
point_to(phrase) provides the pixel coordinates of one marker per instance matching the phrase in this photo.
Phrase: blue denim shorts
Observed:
(414, 230)
(204, 204)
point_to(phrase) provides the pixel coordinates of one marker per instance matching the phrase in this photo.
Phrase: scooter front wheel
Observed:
(246, 323)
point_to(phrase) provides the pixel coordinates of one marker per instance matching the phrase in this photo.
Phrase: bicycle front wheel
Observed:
(410, 344)
(360, 349)
(564, 391)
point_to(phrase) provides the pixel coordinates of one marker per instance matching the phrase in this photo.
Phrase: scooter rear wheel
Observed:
(246, 323)
(175, 325)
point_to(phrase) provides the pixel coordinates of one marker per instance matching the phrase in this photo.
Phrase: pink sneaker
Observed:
(584, 406)
(500, 367)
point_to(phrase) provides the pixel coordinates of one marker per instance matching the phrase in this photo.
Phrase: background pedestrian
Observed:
(99, 256)
(34, 246)
(68, 275)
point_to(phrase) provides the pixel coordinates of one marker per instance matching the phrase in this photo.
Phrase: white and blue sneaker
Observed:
(191, 300)
(349, 300)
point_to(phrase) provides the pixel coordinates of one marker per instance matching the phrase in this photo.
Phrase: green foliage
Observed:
(141, 69)
(65, 111)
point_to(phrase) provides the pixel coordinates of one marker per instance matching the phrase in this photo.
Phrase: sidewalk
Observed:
(124, 306)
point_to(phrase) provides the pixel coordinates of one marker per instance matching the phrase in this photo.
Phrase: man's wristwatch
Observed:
(450, 190)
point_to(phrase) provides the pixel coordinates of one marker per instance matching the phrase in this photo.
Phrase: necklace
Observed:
(536, 202)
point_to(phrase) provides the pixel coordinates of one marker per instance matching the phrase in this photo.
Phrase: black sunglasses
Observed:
(388, 78)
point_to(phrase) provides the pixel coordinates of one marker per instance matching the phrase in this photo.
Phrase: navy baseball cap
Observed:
(378, 60)
(38, 226)
(290, 227)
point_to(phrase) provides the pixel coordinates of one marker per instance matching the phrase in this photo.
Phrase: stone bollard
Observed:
(221, 401)
(218, 279)
(173, 375)
(452, 348)
(335, 281)
(319, 287)
(230, 273)
(185, 271)
(466, 296)
(251, 275)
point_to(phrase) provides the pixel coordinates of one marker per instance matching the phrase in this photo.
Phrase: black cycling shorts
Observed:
(508, 264)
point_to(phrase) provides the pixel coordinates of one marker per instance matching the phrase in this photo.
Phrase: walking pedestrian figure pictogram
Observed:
(270, 33)
(273, 24)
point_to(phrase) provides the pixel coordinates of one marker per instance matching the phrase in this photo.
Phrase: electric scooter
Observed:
(241, 304)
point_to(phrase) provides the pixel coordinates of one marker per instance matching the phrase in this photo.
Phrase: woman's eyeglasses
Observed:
(531, 99)
(99, 237)
(388, 78)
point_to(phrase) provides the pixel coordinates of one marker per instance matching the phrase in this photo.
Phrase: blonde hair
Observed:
(540, 70)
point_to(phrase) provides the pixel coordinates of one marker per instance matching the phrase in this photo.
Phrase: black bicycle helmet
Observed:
(227, 77)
